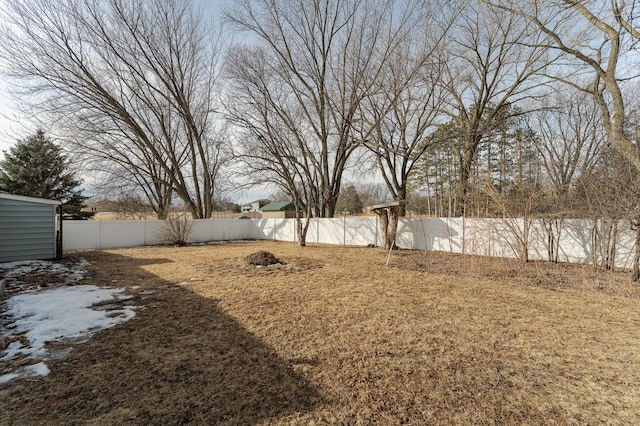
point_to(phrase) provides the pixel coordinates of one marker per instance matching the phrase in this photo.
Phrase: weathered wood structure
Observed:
(388, 214)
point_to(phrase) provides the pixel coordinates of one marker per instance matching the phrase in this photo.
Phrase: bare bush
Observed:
(178, 227)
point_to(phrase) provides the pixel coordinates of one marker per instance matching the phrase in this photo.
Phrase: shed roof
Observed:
(385, 205)
(278, 207)
(8, 196)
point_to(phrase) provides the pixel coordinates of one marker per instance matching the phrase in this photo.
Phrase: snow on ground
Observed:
(39, 369)
(60, 313)
(21, 267)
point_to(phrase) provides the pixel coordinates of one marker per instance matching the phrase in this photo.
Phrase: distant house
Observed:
(279, 210)
(124, 209)
(100, 207)
(28, 228)
(253, 206)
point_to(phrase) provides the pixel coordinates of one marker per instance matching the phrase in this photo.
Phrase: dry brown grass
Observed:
(334, 336)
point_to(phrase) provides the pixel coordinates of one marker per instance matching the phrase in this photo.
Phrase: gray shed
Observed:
(28, 228)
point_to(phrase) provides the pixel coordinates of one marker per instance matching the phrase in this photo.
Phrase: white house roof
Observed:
(8, 196)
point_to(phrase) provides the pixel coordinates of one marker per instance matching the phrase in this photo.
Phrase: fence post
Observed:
(344, 230)
(464, 236)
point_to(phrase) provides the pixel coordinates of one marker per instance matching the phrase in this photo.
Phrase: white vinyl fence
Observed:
(487, 237)
(79, 235)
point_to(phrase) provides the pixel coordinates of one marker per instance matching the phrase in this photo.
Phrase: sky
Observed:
(62, 314)
(14, 125)
(9, 118)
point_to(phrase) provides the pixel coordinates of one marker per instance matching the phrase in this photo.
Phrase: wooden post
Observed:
(388, 214)
(384, 224)
(392, 227)
(59, 234)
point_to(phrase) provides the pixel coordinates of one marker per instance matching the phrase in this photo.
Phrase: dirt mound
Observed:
(262, 258)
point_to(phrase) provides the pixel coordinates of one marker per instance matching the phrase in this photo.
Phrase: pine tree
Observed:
(349, 201)
(36, 167)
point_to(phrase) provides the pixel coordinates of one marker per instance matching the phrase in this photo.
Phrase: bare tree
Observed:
(570, 138)
(517, 216)
(272, 148)
(133, 81)
(397, 120)
(140, 176)
(130, 206)
(313, 63)
(570, 141)
(372, 193)
(610, 193)
(493, 61)
(598, 39)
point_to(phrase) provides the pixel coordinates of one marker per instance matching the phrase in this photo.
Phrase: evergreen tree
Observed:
(349, 200)
(36, 167)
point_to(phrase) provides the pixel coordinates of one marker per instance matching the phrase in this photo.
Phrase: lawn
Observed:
(335, 336)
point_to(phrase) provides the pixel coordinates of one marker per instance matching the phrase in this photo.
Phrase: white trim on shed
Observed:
(28, 199)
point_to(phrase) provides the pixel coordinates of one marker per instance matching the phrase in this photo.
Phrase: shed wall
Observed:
(27, 230)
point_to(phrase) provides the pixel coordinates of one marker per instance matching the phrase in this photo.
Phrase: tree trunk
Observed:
(635, 277)
(525, 240)
(302, 228)
(384, 224)
(392, 227)
(161, 213)
(402, 197)
(466, 163)
(330, 205)
(461, 195)
(302, 232)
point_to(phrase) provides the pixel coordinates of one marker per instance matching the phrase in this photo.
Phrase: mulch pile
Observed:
(262, 258)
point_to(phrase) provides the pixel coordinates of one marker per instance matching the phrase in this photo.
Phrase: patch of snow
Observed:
(22, 267)
(39, 369)
(34, 316)
(17, 263)
(60, 314)
(8, 377)
(122, 296)
(13, 273)
(273, 265)
(35, 370)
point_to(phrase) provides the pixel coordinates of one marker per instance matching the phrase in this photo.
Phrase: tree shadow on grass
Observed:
(181, 360)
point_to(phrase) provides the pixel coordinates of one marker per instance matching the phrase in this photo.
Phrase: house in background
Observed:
(100, 207)
(279, 210)
(29, 228)
(253, 206)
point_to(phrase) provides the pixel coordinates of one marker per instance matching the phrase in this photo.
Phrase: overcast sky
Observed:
(9, 129)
